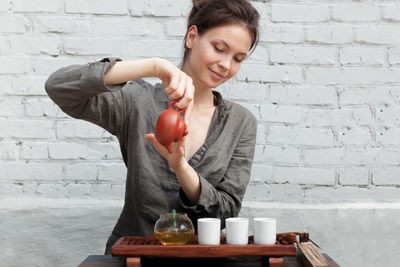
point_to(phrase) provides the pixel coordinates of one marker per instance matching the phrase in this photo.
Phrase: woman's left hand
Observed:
(176, 159)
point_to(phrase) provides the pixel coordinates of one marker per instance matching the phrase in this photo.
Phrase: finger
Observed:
(160, 148)
(173, 83)
(188, 94)
(180, 90)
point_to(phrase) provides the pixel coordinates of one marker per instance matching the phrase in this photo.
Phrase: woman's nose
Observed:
(225, 63)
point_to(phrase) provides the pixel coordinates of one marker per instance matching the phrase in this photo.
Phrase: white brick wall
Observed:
(324, 85)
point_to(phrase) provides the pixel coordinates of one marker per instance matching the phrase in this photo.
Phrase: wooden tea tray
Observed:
(134, 246)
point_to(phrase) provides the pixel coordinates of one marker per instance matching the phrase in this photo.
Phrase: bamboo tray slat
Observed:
(134, 246)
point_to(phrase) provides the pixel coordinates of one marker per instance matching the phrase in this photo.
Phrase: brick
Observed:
(36, 45)
(388, 136)
(277, 154)
(14, 65)
(356, 136)
(37, 6)
(112, 172)
(329, 34)
(299, 13)
(377, 34)
(176, 27)
(270, 74)
(386, 176)
(31, 171)
(261, 173)
(79, 190)
(5, 5)
(356, 12)
(13, 24)
(43, 108)
(52, 190)
(159, 8)
(394, 55)
(394, 92)
(11, 189)
(45, 66)
(351, 194)
(260, 54)
(92, 46)
(38, 129)
(360, 156)
(274, 192)
(108, 191)
(27, 85)
(388, 115)
(302, 175)
(11, 106)
(72, 129)
(61, 24)
(261, 134)
(34, 150)
(5, 47)
(151, 48)
(114, 26)
(304, 95)
(304, 55)
(352, 76)
(85, 171)
(336, 118)
(278, 113)
(281, 33)
(300, 136)
(5, 84)
(387, 156)
(390, 12)
(263, 9)
(68, 150)
(245, 91)
(323, 156)
(8, 150)
(354, 176)
(362, 56)
(376, 95)
(118, 7)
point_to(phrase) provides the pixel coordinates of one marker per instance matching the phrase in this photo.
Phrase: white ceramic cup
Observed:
(264, 231)
(209, 231)
(237, 231)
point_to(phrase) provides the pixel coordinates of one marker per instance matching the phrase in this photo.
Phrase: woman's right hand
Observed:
(177, 85)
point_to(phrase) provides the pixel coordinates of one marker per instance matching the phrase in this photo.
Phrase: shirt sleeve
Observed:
(80, 91)
(224, 200)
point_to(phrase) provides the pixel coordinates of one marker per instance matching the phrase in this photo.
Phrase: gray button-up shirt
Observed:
(129, 111)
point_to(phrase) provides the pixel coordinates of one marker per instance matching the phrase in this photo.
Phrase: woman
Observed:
(207, 172)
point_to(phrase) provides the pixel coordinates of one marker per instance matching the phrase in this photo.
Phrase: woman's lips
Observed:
(217, 74)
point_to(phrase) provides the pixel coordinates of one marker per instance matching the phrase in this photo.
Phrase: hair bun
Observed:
(198, 4)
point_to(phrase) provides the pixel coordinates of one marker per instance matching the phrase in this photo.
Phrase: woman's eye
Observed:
(218, 49)
(239, 60)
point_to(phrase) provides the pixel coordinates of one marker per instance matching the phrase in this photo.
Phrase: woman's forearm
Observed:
(189, 181)
(128, 70)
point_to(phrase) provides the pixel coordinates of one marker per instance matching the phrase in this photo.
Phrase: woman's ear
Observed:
(191, 36)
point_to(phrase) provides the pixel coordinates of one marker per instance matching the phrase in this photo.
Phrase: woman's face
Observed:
(217, 54)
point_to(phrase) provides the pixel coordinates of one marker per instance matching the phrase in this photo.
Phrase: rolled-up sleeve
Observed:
(224, 200)
(80, 91)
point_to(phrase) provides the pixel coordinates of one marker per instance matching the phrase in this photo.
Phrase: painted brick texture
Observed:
(324, 85)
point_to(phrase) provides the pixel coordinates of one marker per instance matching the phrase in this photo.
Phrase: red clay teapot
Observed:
(170, 127)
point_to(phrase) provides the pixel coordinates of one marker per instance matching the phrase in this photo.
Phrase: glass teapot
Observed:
(173, 228)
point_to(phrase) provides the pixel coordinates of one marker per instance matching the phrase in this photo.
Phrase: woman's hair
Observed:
(207, 14)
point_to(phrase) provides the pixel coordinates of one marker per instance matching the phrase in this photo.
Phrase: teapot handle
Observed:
(172, 103)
